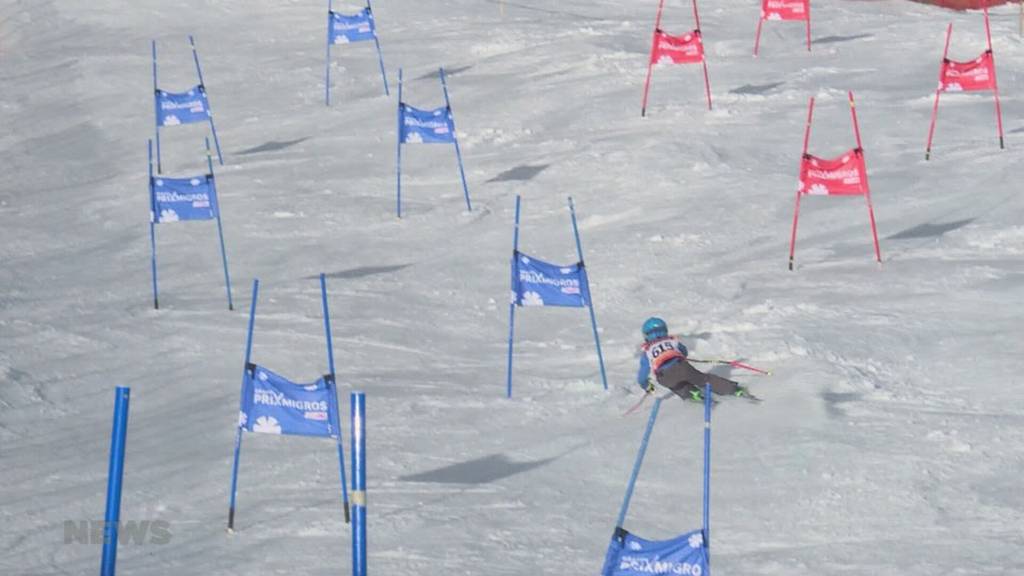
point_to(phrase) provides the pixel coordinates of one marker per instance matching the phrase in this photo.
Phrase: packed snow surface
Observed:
(891, 439)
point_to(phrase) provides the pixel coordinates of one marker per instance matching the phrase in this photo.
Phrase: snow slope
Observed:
(891, 438)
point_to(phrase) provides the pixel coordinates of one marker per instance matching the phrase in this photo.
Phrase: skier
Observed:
(664, 358)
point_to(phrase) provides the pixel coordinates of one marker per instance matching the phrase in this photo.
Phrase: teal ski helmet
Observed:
(654, 328)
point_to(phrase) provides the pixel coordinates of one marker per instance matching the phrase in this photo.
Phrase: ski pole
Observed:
(733, 363)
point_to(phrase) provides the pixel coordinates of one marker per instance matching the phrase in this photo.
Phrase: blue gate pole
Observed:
(358, 401)
(399, 138)
(209, 110)
(636, 465)
(238, 433)
(156, 112)
(455, 139)
(330, 363)
(115, 474)
(512, 302)
(327, 66)
(152, 227)
(380, 55)
(590, 303)
(707, 470)
(220, 228)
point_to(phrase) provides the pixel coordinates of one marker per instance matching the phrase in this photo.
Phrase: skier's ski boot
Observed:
(744, 392)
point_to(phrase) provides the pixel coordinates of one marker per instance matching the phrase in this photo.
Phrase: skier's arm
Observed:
(644, 374)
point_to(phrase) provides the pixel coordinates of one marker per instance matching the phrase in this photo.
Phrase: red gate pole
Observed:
(650, 64)
(799, 193)
(867, 187)
(995, 84)
(938, 90)
(704, 59)
(757, 35)
(808, 25)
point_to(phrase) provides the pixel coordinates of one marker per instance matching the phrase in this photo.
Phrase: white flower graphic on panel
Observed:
(774, 16)
(413, 138)
(635, 546)
(194, 181)
(664, 59)
(512, 293)
(267, 425)
(242, 418)
(532, 299)
(168, 215)
(566, 270)
(171, 120)
(524, 259)
(953, 87)
(311, 388)
(263, 376)
(341, 39)
(818, 190)
(696, 540)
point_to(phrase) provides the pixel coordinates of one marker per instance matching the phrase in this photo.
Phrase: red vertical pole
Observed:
(853, 115)
(995, 84)
(867, 187)
(935, 108)
(799, 193)
(707, 83)
(808, 12)
(650, 58)
(757, 36)
(704, 60)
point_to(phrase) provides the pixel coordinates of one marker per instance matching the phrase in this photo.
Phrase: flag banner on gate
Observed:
(629, 555)
(272, 404)
(537, 283)
(174, 108)
(426, 126)
(785, 9)
(343, 28)
(684, 49)
(845, 175)
(971, 76)
(178, 199)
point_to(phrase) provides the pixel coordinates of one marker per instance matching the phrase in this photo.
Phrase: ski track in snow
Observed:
(890, 438)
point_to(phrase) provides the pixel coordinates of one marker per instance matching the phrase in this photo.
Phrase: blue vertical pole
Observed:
(156, 112)
(380, 55)
(358, 401)
(327, 323)
(202, 86)
(115, 473)
(398, 165)
(512, 302)
(220, 228)
(707, 470)
(238, 433)
(636, 464)
(330, 364)
(327, 67)
(590, 304)
(152, 227)
(455, 139)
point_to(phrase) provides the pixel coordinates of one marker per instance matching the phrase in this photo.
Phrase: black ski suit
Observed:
(681, 377)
